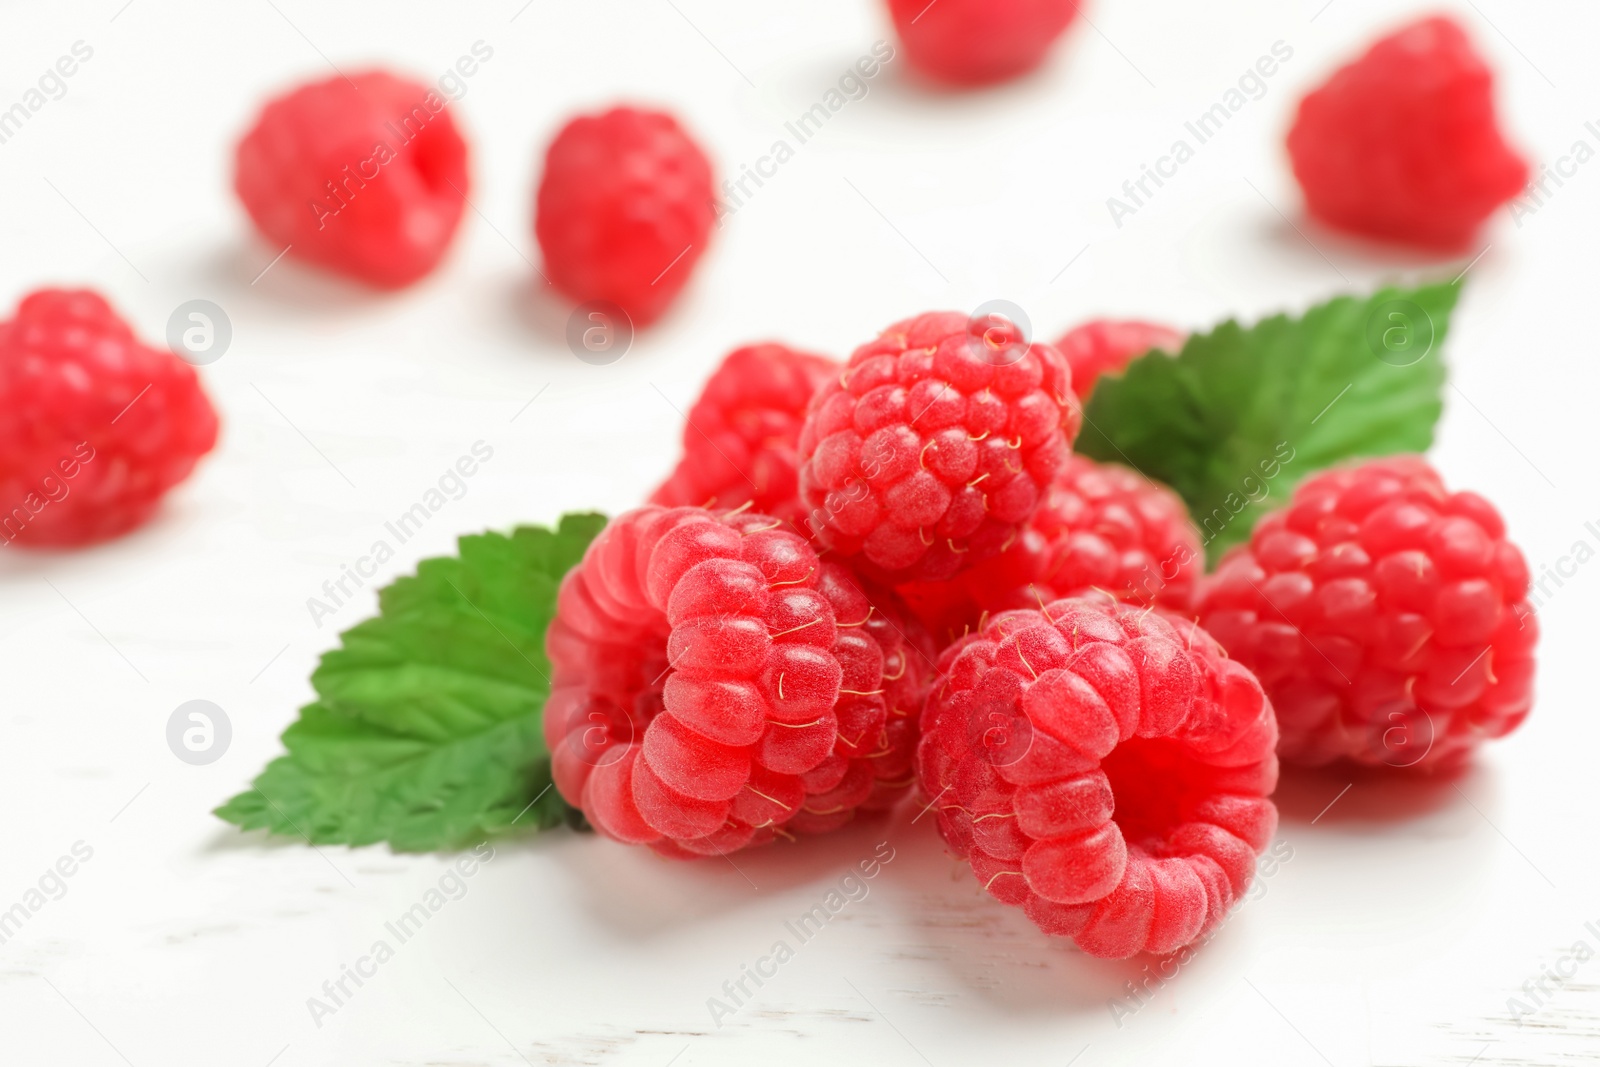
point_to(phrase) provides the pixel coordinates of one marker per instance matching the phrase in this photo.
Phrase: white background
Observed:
(1408, 914)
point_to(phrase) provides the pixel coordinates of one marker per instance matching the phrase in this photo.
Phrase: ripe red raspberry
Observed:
(715, 685)
(1386, 616)
(976, 42)
(935, 445)
(363, 175)
(742, 441)
(1105, 767)
(1101, 526)
(94, 426)
(1105, 346)
(624, 210)
(1402, 144)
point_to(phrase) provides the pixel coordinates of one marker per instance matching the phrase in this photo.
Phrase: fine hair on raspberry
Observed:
(1386, 615)
(1104, 767)
(715, 685)
(1102, 526)
(742, 437)
(935, 445)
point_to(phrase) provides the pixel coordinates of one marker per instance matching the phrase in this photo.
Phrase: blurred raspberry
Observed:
(741, 444)
(1104, 767)
(364, 175)
(1106, 346)
(94, 426)
(716, 685)
(935, 445)
(1386, 616)
(976, 42)
(1403, 143)
(624, 210)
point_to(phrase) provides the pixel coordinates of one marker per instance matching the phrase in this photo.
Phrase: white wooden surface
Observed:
(1395, 932)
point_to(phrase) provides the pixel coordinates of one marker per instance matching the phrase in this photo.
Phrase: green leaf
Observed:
(1241, 415)
(427, 730)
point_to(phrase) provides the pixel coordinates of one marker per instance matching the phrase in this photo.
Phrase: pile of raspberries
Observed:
(893, 576)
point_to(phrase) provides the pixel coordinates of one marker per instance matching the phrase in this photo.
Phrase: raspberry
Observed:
(624, 210)
(363, 175)
(1387, 618)
(1101, 526)
(1402, 143)
(1104, 767)
(715, 685)
(742, 441)
(94, 426)
(935, 445)
(976, 42)
(1105, 346)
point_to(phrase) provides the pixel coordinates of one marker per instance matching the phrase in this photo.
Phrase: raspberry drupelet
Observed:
(95, 427)
(742, 440)
(1101, 526)
(1104, 767)
(1386, 616)
(715, 685)
(365, 175)
(934, 446)
(1403, 144)
(624, 210)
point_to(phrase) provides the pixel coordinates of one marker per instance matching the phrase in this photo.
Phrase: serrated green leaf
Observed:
(427, 729)
(1241, 415)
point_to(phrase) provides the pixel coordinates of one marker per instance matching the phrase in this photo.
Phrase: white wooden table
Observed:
(1400, 921)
